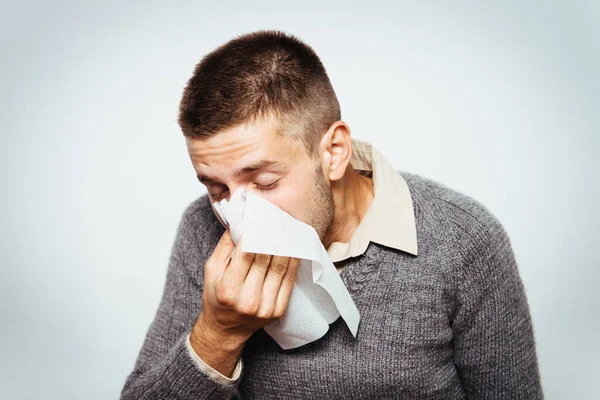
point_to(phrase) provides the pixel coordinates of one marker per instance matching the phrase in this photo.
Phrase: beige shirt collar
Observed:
(390, 219)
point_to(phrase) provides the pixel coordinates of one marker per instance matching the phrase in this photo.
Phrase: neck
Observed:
(352, 196)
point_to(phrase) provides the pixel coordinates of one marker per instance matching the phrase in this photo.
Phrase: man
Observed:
(443, 310)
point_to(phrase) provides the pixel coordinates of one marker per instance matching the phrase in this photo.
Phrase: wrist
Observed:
(219, 350)
(219, 340)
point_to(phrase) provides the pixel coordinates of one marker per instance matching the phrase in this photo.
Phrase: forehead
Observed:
(248, 143)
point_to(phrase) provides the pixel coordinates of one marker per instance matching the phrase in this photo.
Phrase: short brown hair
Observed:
(259, 75)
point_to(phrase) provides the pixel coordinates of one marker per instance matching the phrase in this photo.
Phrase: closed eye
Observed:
(267, 187)
(264, 188)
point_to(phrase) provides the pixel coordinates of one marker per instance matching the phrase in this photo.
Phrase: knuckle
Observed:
(279, 267)
(247, 256)
(248, 308)
(265, 313)
(262, 258)
(225, 296)
(291, 278)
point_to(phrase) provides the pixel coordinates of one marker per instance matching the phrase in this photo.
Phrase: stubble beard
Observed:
(321, 211)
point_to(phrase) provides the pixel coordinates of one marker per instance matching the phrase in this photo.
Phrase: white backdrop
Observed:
(499, 101)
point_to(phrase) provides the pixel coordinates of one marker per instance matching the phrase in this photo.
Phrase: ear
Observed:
(335, 149)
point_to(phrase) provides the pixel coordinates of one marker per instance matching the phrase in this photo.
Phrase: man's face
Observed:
(277, 168)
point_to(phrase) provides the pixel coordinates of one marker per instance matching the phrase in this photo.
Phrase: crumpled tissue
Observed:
(319, 296)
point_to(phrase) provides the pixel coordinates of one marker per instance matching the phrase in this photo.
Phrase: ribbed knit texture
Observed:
(450, 323)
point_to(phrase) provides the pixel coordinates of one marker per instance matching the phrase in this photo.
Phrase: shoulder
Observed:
(463, 221)
(198, 209)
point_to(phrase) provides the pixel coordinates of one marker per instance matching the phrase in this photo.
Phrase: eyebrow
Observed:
(246, 170)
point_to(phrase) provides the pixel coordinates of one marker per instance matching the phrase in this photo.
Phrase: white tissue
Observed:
(319, 295)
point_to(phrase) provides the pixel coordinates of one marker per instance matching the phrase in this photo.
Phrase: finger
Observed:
(273, 279)
(224, 247)
(251, 292)
(285, 290)
(258, 270)
(217, 262)
(238, 268)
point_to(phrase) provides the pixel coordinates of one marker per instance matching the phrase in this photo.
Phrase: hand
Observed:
(244, 291)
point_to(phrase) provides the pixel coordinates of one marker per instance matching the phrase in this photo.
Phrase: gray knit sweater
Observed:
(450, 323)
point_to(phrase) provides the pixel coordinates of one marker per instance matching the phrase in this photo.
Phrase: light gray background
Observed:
(499, 101)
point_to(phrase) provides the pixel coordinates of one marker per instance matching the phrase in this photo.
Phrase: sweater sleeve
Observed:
(165, 369)
(494, 346)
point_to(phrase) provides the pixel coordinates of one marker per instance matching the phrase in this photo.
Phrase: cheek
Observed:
(293, 199)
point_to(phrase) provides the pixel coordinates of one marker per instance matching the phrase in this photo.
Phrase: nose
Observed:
(233, 188)
(247, 187)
